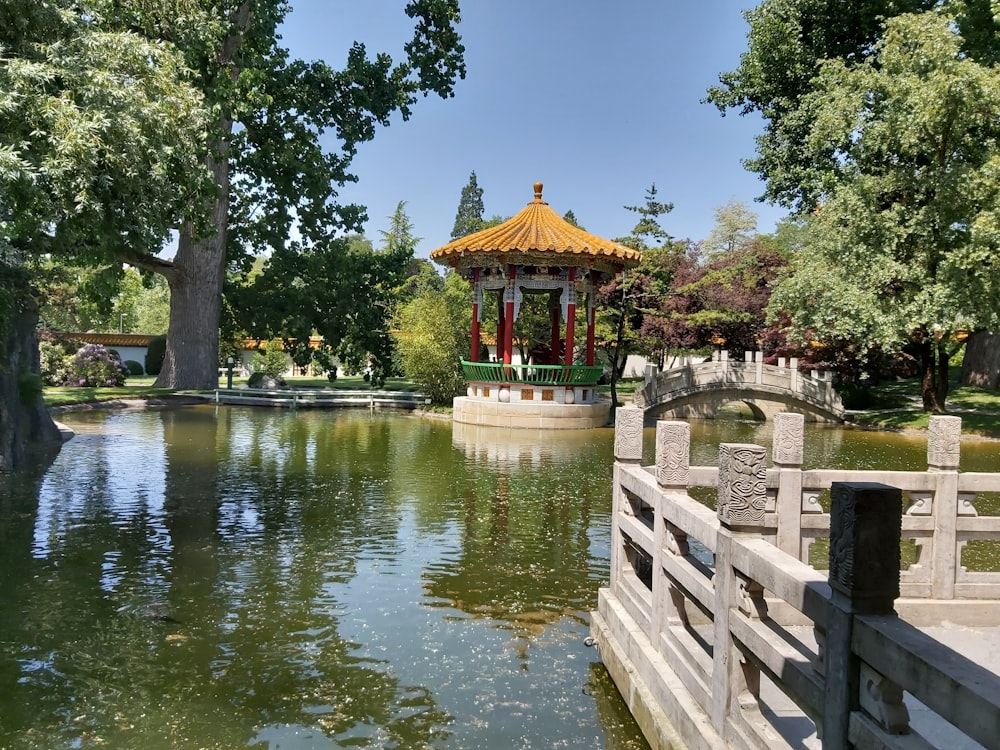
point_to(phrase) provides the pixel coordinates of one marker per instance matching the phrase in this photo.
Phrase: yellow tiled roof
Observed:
(538, 229)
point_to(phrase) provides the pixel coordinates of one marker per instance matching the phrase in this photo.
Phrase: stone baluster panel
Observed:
(786, 452)
(740, 509)
(673, 462)
(628, 452)
(943, 456)
(865, 527)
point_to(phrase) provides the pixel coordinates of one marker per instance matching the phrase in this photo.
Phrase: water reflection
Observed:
(227, 577)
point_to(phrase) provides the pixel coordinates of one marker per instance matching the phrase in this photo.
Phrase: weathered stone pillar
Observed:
(673, 462)
(628, 452)
(865, 524)
(943, 456)
(786, 452)
(740, 509)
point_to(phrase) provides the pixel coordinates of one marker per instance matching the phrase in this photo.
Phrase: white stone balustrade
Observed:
(704, 606)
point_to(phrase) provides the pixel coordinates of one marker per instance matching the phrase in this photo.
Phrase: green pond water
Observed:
(222, 577)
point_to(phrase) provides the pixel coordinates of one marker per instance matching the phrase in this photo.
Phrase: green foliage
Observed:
(469, 217)
(155, 351)
(122, 120)
(94, 367)
(432, 335)
(93, 115)
(905, 247)
(271, 360)
(786, 40)
(134, 368)
(54, 355)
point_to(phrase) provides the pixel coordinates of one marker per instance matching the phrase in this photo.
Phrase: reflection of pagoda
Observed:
(535, 252)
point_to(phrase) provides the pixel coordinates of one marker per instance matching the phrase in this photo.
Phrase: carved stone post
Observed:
(943, 455)
(786, 452)
(865, 524)
(673, 461)
(740, 508)
(628, 452)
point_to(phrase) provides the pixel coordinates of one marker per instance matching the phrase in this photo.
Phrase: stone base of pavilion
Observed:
(524, 414)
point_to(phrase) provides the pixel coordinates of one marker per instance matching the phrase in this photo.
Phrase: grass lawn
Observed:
(142, 387)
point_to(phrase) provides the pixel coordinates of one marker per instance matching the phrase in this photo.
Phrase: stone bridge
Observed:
(699, 390)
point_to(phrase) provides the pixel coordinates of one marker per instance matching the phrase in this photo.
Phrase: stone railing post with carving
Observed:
(786, 453)
(740, 509)
(943, 455)
(673, 461)
(865, 525)
(628, 452)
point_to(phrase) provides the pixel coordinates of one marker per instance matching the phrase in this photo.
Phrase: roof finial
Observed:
(538, 191)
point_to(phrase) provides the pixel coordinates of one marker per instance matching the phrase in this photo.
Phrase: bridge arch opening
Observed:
(739, 409)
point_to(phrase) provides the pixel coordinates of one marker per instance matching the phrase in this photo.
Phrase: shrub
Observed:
(53, 361)
(271, 360)
(155, 351)
(134, 368)
(94, 367)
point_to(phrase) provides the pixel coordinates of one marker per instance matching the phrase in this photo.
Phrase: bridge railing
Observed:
(498, 372)
(723, 373)
(702, 609)
(945, 537)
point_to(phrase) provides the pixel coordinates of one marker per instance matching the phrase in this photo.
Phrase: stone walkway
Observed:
(979, 645)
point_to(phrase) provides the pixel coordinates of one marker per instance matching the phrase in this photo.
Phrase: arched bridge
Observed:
(699, 390)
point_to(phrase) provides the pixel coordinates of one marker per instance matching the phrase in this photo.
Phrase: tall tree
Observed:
(735, 228)
(432, 333)
(622, 297)
(903, 250)
(469, 217)
(342, 289)
(786, 41)
(250, 119)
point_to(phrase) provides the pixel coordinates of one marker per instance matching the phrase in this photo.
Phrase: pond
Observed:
(222, 577)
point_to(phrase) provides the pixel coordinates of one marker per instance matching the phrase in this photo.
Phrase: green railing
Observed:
(493, 372)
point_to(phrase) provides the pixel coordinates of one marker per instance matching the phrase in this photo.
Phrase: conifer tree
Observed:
(469, 218)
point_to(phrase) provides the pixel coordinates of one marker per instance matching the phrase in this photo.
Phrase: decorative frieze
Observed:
(628, 433)
(673, 453)
(788, 440)
(742, 493)
(944, 442)
(865, 522)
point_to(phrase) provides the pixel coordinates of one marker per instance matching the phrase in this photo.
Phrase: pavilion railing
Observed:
(497, 372)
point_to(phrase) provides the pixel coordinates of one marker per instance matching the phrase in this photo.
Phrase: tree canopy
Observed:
(884, 134)
(188, 114)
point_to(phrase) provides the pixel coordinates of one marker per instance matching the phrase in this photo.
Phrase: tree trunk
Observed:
(24, 420)
(191, 359)
(616, 361)
(934, 381)
(981, 365)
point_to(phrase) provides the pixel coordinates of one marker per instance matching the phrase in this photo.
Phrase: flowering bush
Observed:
(93, 366)
(52, 362)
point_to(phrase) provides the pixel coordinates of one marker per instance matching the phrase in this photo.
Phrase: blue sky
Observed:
(596, 99)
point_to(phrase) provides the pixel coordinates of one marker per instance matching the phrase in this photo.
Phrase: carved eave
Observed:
(466, 262)
(536, 236)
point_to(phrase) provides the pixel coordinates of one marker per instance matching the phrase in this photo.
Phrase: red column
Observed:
(591, 317)
(508, 333)
(556, 315)
(570, 317)
(474, 348)
(500, 327)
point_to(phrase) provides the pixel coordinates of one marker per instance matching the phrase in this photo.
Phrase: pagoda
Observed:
(535, 252)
